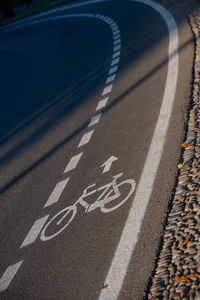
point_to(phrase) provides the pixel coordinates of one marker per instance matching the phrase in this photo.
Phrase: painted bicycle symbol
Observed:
(110, 192)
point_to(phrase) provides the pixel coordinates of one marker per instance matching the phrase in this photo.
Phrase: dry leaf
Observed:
(193, 275)
(184, 243)
(184, 145)
(182, 279)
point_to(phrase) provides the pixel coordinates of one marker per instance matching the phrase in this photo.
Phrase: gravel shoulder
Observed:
(177, 272)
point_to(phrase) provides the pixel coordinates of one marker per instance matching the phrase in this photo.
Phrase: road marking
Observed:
(102, 103)
(107, 165)
(111, 292)
(115, 61)
(107, 89)
(55, 195)
(117, 47)
(85, 138)
(73, 162)
(95, 119)
(113, 70)
(116, 54)
(34, 231)
(110, 78)
(68, 213)
(116, 37)
(117, 41)
(8, 275)
(115, 32)
(129, 237)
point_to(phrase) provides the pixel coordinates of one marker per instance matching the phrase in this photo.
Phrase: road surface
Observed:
(94, 100)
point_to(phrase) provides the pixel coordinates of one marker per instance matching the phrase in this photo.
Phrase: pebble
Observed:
(184, 219)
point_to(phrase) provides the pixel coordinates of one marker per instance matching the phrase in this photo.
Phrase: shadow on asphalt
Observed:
(64, 109)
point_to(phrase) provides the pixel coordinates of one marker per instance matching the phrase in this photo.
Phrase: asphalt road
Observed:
(79, 86)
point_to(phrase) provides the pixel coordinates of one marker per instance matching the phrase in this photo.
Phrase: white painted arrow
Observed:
(107, 165)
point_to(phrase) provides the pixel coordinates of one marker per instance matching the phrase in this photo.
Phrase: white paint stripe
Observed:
(117, 41)
(114, 26)
(115, 61)
(118, 47)
(85, 138)
(116, 54)
(107, 89)
(115, 32)
(95, 119)
(129, 237)
(73, 162)
(113, 70)
(110, 78)
(116, 37)
(34, 231)
(55, 195)
(102, 103)
(8, 275)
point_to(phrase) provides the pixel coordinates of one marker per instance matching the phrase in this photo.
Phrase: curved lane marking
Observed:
(33, 233)
(129, 237)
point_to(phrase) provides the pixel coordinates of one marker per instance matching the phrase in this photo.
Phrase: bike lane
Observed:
(81, 255)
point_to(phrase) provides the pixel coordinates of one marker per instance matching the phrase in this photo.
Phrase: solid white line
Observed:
(95, 119)
(8, 275)
(129, 237)
(116, 54)
(113, 70)
(110, 78)
(107, 89)
(55, 195)
(102, 103)
(73, 162)
(85, 138)
(115, 61)
(34, 231)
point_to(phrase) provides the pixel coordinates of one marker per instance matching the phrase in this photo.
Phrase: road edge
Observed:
(177, 271)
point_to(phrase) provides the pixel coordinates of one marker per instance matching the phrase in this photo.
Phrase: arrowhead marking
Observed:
(107, 165)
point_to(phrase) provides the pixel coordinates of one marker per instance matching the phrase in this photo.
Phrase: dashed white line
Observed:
(115, 61)
(107, 89)
(55, 195)
(34, 231)
(85, 138)
(116, 32)
(9, 275)
(116, 54)
(117, 41)
(73, 162)
(110, 78)
(117, 48)
(113, 70)
(116, 37)
(129, 237)
(102, 103)
(95, 119)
